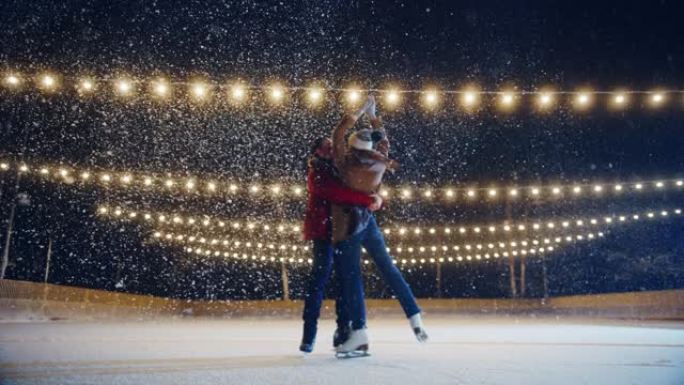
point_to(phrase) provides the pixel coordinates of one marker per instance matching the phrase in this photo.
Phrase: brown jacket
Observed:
(360, 170)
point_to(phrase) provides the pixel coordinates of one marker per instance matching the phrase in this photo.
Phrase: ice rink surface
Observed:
(462, 350)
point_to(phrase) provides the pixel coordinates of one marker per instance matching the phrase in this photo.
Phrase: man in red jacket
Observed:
(325, 188)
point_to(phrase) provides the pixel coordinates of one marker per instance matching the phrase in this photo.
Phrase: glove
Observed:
(369, 102)
(370, 111)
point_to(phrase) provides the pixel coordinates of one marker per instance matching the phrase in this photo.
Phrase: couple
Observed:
(343, 179)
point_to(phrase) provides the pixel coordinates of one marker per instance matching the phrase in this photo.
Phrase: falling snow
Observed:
(411, 45)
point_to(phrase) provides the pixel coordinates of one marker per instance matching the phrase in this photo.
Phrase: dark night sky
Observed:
(601, 44)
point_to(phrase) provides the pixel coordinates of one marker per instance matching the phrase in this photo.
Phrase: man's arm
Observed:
(339, 146)
(332, 190)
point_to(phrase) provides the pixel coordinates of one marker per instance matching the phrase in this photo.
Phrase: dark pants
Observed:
(348, 254)
(315, 291)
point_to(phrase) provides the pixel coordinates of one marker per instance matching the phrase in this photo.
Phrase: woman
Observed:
(325, 188)
(362, 168)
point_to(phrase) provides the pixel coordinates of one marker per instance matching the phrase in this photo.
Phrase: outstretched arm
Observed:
(378, 126)
(339, 146)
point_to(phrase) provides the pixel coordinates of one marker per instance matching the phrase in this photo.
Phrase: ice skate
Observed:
(306, 348)
(341, 334)
(416, 322)
(355, 346)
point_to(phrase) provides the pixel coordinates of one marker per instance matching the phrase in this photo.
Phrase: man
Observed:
(362, 168)
(324, 188)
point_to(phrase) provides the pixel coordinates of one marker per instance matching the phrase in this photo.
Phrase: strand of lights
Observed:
(499, 245)
(270, 257)
(288, 229)
(215, 187)
(238, 91)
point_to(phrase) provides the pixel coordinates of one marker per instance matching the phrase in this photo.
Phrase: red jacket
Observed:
(324, 188)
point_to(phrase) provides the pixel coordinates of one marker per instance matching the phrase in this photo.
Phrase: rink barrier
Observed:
(20, 300)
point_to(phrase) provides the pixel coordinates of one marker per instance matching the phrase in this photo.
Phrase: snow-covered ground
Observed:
(462, 350)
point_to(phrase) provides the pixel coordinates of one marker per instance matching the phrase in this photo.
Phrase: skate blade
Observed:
(361, 351)
(421, 336)
(352, 354)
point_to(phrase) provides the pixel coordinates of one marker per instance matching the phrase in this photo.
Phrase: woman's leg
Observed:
(320, 273)
(374, 242)
(348, 264)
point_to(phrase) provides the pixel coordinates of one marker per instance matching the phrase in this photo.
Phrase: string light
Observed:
(402, 230)
(353, 96)
(294, 191)
(124, 87)
(583, 99)
(277, 93)
(238, 92)
(406, 193)
(301, 259)
(86, 86)
(12, 81)
(469, 98)
(504, 244)
(315, 95)
(657, 98)
(620, 99)
(48, 82)
(545, 99)
(507, 99)
(431, 98)
(199, 90)
(160, 87)
(392, 97)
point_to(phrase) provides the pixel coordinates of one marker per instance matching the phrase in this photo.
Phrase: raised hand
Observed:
(370, 103)
(370, 109)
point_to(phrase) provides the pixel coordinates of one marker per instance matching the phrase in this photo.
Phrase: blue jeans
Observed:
(348, 252)
(315, 291)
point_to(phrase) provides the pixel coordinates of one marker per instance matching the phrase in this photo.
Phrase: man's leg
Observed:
(374, 242)
(341, 310)
(320, 273)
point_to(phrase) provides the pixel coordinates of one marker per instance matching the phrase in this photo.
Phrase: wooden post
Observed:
(511, 260)
(286, 283)
(522, 275)
(8, 240)
(47, 259)
(439, 280)
(545, 279)
(511, 269)
(10, 226)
